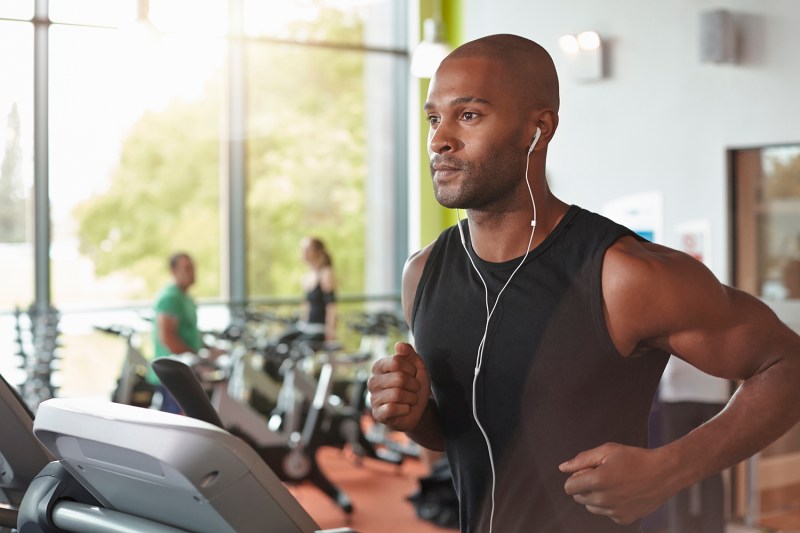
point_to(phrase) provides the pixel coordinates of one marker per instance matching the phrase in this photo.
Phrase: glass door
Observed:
(766, 246)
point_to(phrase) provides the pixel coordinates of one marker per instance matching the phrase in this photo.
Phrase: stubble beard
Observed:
(491, 182)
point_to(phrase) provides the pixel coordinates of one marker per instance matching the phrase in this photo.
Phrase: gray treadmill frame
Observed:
(169, 469)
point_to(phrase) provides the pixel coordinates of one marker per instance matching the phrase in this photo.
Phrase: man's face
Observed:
(474, 143)
(184, 272)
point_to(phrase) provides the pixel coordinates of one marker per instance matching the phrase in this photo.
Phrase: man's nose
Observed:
(440, 142)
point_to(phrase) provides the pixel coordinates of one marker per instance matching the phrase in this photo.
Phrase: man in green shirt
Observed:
(175, 330)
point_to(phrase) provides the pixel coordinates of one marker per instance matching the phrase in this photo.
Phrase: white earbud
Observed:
(535, 139)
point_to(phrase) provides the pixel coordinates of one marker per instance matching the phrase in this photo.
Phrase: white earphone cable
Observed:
(489, 313)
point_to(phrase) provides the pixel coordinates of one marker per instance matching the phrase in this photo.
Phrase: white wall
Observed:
(661, 120)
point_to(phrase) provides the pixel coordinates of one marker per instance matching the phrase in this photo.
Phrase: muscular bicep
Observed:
(660, 298)
(735, 339)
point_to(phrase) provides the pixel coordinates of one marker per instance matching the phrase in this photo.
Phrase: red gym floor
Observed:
(378, 491)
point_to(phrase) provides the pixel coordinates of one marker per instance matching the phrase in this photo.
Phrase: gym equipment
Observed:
(278, 378)
(341, 422)
(126, 469)
(290, 453)
(245, 378)
(376, 329)
(21, 455)
(346, 406)
(40, 359)
(132, 386)
(436, 499)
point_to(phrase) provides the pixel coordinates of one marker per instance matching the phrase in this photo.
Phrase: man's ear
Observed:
(547, 121)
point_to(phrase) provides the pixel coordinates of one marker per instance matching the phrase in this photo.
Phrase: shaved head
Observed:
(487, 103)
(527, 67)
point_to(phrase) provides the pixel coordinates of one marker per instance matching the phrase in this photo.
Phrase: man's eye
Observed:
(433, 119)
(469, 115)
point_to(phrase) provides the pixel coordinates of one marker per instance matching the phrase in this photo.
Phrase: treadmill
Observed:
(94, 466)
(22, 456)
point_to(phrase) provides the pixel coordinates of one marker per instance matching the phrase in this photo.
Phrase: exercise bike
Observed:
(132, 387)
(341, 423)
(294, 365)
(376, 330)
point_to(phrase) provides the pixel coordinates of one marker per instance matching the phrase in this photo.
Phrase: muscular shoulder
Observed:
(650, 290)
(629, 262)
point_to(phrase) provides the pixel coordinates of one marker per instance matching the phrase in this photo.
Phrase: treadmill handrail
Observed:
(8, 516)
(83, 518)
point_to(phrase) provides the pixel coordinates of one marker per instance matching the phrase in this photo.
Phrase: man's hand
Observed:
(623, 483)
(213, 353)
(399, 389)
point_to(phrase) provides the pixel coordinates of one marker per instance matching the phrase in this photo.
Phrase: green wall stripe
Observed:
(434, 217)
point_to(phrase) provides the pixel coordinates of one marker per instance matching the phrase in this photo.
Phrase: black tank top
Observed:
(317, 304)
(552, 384)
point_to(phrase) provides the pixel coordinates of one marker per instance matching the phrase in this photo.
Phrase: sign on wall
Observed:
(640, 212)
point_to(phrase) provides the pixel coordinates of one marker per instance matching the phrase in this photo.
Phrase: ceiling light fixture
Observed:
(432, 49)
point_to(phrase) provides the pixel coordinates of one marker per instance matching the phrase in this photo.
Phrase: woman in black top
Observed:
(319, 284)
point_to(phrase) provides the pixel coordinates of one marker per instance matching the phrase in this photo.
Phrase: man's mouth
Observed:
(445, 169)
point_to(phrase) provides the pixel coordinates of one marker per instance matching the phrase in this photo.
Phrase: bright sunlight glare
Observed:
(273, 18)
(94, 12)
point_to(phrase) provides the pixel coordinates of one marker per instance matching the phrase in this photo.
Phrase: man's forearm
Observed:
(176, 345)
(764, 407)
(428, 432)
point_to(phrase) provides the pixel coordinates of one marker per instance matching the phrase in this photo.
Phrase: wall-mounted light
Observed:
(584, 55)
(432, 49)
(718, 37)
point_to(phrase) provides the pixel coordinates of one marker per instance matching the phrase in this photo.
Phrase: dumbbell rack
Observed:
(37, 348)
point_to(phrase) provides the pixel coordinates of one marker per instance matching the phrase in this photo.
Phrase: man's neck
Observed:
(502, 237)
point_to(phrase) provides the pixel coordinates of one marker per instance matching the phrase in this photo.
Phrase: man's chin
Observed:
(447, 201)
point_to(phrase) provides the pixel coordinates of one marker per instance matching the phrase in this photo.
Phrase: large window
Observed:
(144, 103)
(320, 162)
(134, 162)
(16, 184)
(323, 155)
